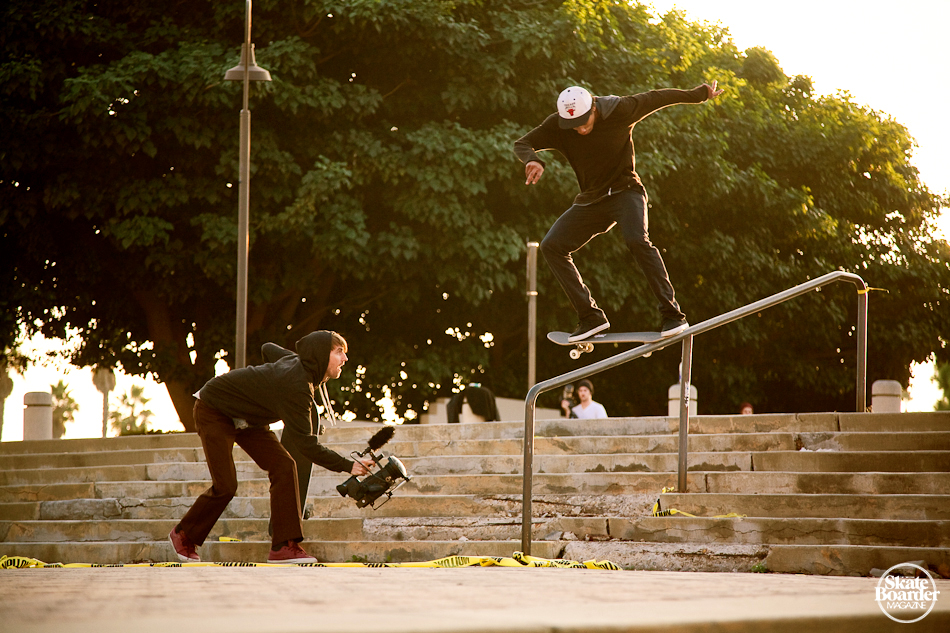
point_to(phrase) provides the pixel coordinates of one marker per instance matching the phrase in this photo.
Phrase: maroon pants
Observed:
(218, 437)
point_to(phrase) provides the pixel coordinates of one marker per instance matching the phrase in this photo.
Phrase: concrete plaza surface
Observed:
(411, 600)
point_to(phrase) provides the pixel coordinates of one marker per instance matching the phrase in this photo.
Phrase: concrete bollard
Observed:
(38, 416)
(886, 396)
(674, 400)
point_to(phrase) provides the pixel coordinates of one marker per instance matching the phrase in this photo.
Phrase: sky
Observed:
(890, 56)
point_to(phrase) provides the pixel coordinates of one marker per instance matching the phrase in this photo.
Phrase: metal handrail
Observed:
(686, 337)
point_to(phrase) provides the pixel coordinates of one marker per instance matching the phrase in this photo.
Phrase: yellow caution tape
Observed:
(869, 289)
(228, 539)
(518, 559)
(657, 512)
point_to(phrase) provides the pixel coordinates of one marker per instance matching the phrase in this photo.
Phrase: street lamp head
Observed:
(254, 72)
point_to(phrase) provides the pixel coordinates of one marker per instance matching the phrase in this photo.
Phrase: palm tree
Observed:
(135, 421)
(104, 379)
(64, 408)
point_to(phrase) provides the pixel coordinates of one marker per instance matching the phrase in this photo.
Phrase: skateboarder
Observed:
(237, 407)
(595, 135)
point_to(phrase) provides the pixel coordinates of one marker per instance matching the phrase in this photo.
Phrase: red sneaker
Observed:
(183, 547)
(290, 553)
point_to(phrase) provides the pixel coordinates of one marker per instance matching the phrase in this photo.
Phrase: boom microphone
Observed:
(380, 439)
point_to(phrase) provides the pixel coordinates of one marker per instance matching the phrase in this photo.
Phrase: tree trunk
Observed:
(184, 401)
(169, 339)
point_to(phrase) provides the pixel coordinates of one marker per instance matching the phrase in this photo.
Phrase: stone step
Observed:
(670, 529)
(359, 432)
(435, 466)
(115, 552)
(873, 441)
(86, 459)
(915, 422)
(334, 529)
(848, 560)
(852, 462)
(835, 559)
(756, 530)
(782, 461)
(401, 505)
(576, 483)
(582, 483)
(579, 445)
(597, 444)
(823, 483)
(859, 506)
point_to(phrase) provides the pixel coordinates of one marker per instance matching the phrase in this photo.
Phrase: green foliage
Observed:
(131, 417)
(64, 408)
(942, 378)
(386, 202)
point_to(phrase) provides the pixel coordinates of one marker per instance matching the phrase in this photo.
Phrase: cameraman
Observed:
(305, 448)
(237, 407)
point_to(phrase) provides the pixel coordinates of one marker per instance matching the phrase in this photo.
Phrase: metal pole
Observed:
(861, 403)
(240, 343)
(532, 313)
(526, 480)
(685, 388)
(528, 471)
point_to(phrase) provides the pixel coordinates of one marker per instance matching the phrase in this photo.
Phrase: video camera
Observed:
(390, 474)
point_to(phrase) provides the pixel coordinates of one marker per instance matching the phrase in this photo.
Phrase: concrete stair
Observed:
(820, 493)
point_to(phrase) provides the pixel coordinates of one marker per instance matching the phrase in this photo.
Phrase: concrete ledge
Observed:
(849, 560)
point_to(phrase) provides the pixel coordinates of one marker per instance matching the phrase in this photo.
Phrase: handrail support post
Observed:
(685, 388)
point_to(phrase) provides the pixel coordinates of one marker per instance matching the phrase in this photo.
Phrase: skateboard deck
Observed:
(587, 344)
(609, 337)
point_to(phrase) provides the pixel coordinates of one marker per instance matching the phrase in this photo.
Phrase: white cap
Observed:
(573, 107)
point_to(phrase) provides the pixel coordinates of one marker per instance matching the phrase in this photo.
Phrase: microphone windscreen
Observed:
(381, 437)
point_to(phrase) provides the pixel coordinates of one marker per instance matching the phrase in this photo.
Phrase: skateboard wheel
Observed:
(647, 355)
(575, 354)
(587, 347)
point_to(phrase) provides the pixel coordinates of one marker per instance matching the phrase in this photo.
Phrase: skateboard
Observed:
(587, 345)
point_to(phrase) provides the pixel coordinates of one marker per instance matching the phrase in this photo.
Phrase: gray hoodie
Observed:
(280, 390)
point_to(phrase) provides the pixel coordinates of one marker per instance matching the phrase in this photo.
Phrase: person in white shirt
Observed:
(588, 409)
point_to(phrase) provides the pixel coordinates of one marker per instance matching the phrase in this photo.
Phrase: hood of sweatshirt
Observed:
(314, 353)
(606, 105)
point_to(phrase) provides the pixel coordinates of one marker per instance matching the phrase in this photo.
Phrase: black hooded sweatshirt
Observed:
(280, 390)
(604, 160)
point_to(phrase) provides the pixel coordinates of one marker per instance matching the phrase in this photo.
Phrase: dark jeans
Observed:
(218, 437)
(579, 224)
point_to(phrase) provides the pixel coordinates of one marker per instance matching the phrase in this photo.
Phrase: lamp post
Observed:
(247, 71)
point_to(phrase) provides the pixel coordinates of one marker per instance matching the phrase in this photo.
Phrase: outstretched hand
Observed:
(713, 92)
(532, 172)
(361, 467)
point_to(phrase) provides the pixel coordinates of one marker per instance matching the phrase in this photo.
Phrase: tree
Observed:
(104, 380)
(6, 388)
(942, 378)
(131, 417)
(386, 202)
(64, 408)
